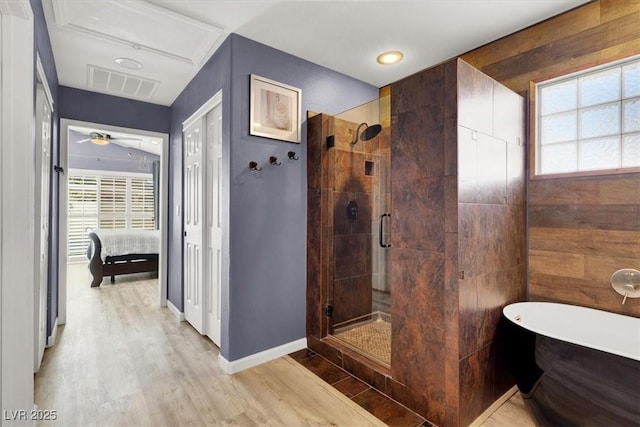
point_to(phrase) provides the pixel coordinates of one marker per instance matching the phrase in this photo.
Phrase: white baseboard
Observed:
(173, 309)
(494, 407)
(259, 358)
(51, 340)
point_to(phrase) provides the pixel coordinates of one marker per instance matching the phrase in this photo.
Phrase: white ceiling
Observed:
(172, 39)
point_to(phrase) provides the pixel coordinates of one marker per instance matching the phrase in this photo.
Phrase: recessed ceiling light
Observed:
(129, 63)
(390, 57)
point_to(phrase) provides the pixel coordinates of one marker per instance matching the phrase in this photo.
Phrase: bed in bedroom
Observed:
(115, 252)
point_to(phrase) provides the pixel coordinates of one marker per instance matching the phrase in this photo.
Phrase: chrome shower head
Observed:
(368, 133)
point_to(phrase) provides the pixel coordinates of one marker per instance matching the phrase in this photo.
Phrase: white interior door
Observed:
(214, 228)
(193, 225)
(43, 168)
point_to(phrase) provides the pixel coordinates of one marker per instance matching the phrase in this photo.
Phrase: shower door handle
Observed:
(382, 244)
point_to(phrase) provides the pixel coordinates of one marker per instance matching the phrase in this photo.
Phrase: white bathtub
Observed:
(597, 329)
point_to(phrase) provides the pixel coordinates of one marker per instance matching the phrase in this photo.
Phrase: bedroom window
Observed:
(112, 211)
(142, 207)
(83, 212)
(589, 122)
(107, 201)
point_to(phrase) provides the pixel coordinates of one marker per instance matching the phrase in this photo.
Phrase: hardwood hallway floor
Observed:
(122, 361)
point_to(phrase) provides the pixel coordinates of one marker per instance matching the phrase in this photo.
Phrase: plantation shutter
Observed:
(107, 202)
(113, 202)
(83, 213)
(142, 213)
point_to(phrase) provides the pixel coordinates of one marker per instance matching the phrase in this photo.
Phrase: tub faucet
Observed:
(626, 282)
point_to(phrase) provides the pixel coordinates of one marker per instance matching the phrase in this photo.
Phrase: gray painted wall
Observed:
(268, 210)
(265, 226)
(78, 104)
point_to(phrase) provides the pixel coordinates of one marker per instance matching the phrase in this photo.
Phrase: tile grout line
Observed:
(369, 387)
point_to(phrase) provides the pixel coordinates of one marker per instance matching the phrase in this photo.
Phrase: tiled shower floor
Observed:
(371, 338)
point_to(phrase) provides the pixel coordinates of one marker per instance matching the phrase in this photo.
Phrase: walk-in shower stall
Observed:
(358, 303)
(416, 238)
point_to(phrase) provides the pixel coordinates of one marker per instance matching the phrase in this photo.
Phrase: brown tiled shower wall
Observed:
(336, 176)
(458, 239)
(356, 254)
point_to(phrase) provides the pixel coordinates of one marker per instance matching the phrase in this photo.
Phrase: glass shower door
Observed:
(359, 296)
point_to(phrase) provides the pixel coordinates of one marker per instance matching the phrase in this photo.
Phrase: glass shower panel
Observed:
(360, 294)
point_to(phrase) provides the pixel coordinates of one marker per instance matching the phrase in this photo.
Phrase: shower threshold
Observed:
(369, 335)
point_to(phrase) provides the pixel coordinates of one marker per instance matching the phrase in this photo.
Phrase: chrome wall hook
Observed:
(292, 155)
(254, 166)
(274, 161)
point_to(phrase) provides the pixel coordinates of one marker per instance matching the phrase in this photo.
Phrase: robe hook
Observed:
(274, 161)
(254, 166)
(292, 155)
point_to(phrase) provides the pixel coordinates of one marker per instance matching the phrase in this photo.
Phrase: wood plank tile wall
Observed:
(580, 229)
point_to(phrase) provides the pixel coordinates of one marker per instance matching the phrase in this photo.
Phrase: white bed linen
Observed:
(125, 242)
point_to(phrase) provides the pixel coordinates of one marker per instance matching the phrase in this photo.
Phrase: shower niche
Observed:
(433, 245)
(354, 188)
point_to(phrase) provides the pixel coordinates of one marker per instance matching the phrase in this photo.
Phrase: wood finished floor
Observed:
(122, 361)
(512, 413)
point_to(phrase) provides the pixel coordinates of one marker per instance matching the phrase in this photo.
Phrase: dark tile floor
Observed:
(386, 410)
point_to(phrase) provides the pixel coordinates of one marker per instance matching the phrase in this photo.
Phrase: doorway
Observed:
(131, 141)
(44, 110)
(202, 255)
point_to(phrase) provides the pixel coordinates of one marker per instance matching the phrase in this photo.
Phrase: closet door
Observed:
(214, 227)
(193, 254)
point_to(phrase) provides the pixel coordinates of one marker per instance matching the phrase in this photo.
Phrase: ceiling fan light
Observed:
(100, 141)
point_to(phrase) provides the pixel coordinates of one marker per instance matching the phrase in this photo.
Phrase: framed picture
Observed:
(274, 110)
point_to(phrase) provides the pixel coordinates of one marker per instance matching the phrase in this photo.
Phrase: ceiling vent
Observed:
(120, 84)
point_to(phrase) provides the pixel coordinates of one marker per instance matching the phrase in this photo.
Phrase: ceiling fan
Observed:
(100, 138)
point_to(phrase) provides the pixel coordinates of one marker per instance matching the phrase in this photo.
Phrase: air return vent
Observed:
(120, 84)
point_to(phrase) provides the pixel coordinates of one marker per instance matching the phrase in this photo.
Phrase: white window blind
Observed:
(83, 212)
(113, 207)
(97, 201)
(589, 121)
(142, 212)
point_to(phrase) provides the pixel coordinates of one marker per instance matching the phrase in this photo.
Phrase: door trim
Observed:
(42, 81)
(62, 221)
(17, 204)
(203, 110)
(45, 83)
